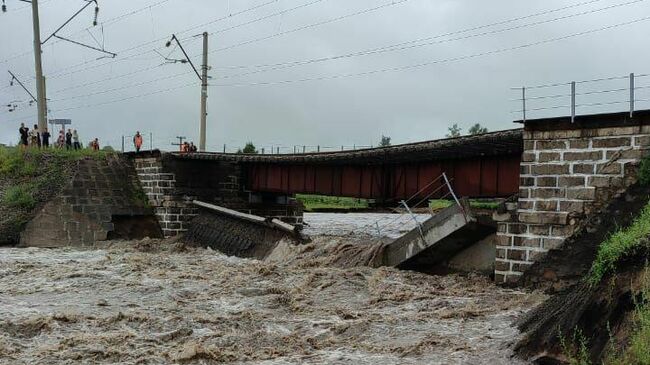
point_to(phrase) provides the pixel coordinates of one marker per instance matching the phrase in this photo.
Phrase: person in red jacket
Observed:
(137, 141)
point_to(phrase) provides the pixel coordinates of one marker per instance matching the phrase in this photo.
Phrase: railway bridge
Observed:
(482, 166)
(562, 171)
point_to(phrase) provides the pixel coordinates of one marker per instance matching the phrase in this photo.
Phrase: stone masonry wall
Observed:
(84, 211)
(565, 175)
(174, 211)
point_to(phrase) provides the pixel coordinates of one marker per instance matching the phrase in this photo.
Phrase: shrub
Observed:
(644, 171)
(19, 197)
(620, 244)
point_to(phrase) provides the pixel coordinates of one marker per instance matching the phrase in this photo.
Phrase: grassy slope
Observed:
(317, 202)
(30, 178)
(622, 244)
(320, 202)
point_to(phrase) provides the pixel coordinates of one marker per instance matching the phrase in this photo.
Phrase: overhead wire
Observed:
(401, 47)
(429, 63)
(391, 47)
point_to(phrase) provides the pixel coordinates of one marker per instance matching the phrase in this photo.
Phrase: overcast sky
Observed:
(465, 76)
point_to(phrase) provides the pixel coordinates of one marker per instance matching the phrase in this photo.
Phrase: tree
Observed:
(385, 141)
(454, 131)
(477, 129)
(249, 149)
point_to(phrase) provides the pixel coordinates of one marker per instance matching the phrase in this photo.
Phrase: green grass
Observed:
(438, 204)
(638, 350)
(321, 202)
(19, 197)
(620, 244)
(29, 178)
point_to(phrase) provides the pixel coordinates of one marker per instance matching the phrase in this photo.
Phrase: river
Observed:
(151, 302)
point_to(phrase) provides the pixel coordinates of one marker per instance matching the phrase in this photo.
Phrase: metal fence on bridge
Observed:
(599, 95)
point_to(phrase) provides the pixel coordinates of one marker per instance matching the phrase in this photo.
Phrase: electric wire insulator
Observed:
(96, 15)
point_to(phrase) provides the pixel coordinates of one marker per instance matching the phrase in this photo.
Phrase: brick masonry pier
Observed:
(568, 171)
(171, 184)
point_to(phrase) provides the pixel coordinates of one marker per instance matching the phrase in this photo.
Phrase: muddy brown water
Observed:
(152, 302)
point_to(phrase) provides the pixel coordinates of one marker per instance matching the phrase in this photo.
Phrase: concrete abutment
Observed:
(569, 171)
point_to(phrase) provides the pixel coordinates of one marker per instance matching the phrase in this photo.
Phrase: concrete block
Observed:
(528, 157)
(521, 266)
(642, 141)
(612, 142)
(501, 265)
(546, 181)
(549, 156)
(527, 181)
(581, 193)
(613, 168)
(571, 181)
(579, 143)
(525, 205)
(517, 254)
(547, 193)
(583, 168)
(550, 145)
(583, 156)
(539, 230)
(572, 206)
(628, 154)
(550, 169)
(544, 218)
(546, 205)
(517, 228)
(526, 242)
(552, 243)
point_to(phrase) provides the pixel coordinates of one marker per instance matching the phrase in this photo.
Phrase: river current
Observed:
(160, 302)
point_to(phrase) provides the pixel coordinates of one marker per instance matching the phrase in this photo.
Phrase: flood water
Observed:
(151, 302)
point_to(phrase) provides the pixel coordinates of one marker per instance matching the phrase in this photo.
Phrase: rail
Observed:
(590, 98)
(408, 210)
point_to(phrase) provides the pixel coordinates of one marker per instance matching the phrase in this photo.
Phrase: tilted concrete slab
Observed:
(441, 237)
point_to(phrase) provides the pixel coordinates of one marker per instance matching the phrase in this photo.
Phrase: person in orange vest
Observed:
(137, 141)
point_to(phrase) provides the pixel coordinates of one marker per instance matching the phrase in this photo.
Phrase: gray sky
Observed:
(351, 103)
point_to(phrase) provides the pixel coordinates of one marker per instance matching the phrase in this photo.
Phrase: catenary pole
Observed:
(204, 94)
(38, 63)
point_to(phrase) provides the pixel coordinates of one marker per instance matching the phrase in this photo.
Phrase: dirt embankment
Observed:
(28, 181)
(598, 315)
(566, 266)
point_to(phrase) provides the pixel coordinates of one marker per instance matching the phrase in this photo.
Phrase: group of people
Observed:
(188, 147)
(37, 139)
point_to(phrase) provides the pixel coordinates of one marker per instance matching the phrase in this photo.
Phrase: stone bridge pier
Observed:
(568, 171)
(172, 184)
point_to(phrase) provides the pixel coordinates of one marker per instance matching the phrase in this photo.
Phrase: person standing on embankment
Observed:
(137, 141)
(45, 136)
(75, 140)
(24, 135)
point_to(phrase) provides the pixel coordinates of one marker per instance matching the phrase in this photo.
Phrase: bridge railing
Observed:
(608, 94)
(407, 210)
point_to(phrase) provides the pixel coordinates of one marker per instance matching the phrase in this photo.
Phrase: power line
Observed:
(104, 23)
(309, 26)
(401, 68)
(58, 73)
(275, 35)
(402, 46)
(448, 60)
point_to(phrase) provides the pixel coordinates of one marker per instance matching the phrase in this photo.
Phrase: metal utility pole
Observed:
(204, 93)
(204, 81)
(180, 142)
(40, 85)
